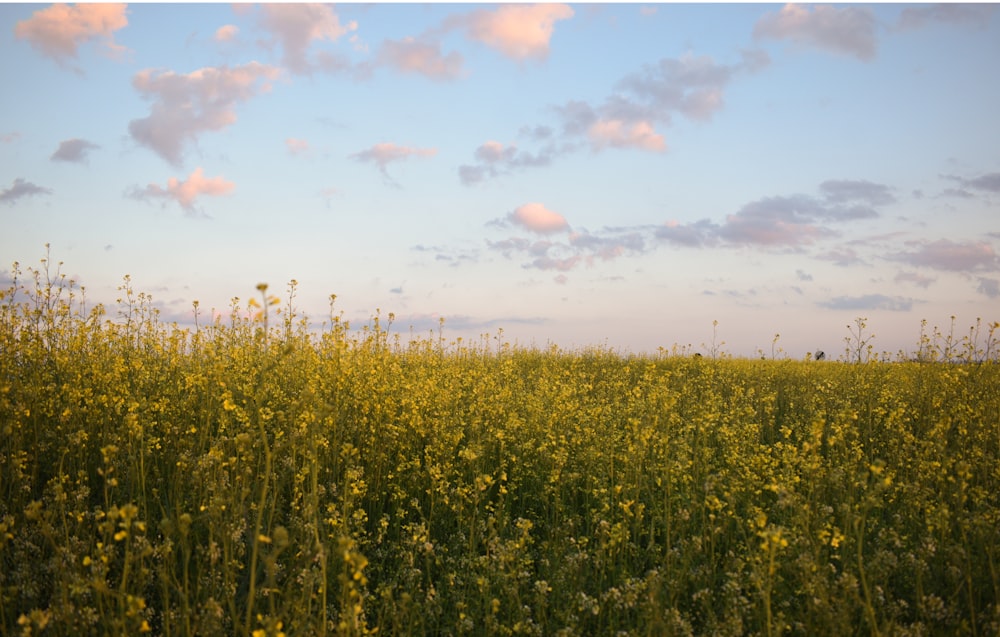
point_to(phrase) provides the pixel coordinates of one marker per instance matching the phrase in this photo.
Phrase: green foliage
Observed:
(259, 478)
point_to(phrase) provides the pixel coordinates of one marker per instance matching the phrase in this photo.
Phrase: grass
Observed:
(257, 476)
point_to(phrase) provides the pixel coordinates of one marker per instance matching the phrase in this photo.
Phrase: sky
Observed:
(624, 176)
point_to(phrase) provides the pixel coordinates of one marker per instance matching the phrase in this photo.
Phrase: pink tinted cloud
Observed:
(620, 134)
(297, 26)
(58, 31)
(187, 105)
(227, 33)
(385, 153)
(422, 58)
(846, 30)
(296, 146)
(537, 218)
(519, 31)
(957, 256)
(187, 192)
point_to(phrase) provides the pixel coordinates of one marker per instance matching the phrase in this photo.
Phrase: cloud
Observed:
(74, 150)
(989, 182)
(792, 221)
(421, 58)
(869, 302)
(494, 158)
(632, 117)
(385, 153)
(845, 30)
(186, 192)
(21, 188)
(693, 235)
(989, 287)
(956, 256)
(915, 278)
(974, 15)
(226, 33)
(184, 106)
(802, 275)
(519, 31)
(10, 138)
(843, 257)
(296, 146)
(847, 190)
(58, 31)
(537, 218)
(692, 85)
(580, 247)
(620, 134)
(774, 221)
(296, 27)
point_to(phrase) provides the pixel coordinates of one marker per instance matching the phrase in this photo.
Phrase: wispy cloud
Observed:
(297, 146)
(418, 57)
(58, 31)
(869, 302)
(844, 30)
(20, 189)
(781, 222)
(73, 150)
(842, 256)
(972, 15)
(10, 138)
(494, 158)
(580, 247)
(788, 221)
(632, 117)
(519, 31)
(296, 27)
(186, 105)
(915, 278)
(186, 192)
(956, 256)
(843, 191)
(989, 287)
(384, 154)
(988, 183)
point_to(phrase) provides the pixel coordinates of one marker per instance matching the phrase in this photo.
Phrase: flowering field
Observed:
(258, 476)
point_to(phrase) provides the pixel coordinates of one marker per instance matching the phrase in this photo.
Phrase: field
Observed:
(260, 476)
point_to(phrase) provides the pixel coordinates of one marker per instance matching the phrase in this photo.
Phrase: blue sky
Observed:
(617, 175)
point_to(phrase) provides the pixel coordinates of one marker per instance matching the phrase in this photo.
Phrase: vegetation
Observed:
(256, 477)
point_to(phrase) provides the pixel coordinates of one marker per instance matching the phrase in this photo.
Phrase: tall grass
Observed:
(255, 476)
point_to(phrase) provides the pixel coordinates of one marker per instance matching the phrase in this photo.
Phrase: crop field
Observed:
(257, 475)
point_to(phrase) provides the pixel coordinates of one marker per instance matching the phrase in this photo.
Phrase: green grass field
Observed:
(263, 477)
